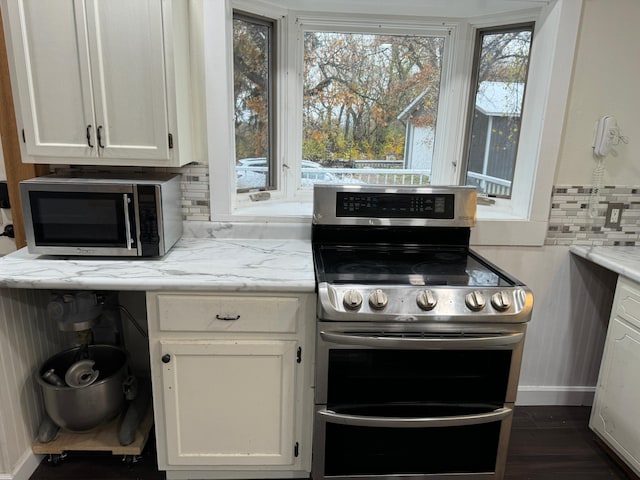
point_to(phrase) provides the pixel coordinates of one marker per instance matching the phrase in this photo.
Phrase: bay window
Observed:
(384, 99)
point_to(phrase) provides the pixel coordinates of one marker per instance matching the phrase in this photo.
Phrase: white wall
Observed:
(605, 82)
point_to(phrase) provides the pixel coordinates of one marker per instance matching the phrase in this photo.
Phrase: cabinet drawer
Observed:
(627, 301)
(227, 313)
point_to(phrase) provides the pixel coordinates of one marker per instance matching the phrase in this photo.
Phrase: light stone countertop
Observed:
(624, 261)
(192, 264)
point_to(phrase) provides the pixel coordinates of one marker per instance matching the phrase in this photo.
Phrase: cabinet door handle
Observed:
(100, 137)
(166, 358)
(227, 319)
(89, 136)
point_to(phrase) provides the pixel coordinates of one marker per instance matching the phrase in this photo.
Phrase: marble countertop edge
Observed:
(624, 261)
(204, 264)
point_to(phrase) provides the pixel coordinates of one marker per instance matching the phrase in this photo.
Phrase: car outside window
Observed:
(253, 88)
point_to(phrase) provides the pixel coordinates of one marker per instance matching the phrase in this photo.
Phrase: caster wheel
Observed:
(130, 460)
(56, 459)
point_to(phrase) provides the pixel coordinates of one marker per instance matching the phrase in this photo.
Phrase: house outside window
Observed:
(361, 92)
(500, 74)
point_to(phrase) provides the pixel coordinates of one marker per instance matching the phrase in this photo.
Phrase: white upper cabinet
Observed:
(95, 81)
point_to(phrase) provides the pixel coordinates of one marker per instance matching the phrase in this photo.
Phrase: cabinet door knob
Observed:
(228, 318)
(166, 358)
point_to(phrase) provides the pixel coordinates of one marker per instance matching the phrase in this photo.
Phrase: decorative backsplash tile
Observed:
(577, 217)
(194, 184)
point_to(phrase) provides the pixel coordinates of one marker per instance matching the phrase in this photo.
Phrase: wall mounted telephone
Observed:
(607, 134)
(604, 135)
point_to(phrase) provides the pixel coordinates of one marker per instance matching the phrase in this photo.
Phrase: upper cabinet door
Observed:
(53, 77)
(127, 63)
(104, 82)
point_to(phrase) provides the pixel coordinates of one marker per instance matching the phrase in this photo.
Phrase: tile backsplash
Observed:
(577, 216)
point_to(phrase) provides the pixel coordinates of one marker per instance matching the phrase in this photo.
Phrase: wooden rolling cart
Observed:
(103, 438)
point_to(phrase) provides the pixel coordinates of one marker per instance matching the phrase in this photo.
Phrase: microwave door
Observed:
(75, 221)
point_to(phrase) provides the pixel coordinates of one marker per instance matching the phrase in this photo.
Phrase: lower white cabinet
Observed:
(615, 416)
(232, 384)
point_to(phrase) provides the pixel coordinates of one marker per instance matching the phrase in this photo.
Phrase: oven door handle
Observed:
(485, 341)
(415, 422)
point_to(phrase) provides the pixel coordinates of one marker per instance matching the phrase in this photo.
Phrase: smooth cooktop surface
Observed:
(405, 265)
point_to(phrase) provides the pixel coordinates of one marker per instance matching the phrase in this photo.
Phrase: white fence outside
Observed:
(376, 176)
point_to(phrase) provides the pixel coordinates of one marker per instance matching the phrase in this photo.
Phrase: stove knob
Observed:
(352, 300)
(475, 301)
(378, 300)
(426, 300)
(501, 301)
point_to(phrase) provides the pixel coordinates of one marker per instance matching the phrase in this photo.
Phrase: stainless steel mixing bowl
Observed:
(84, 408)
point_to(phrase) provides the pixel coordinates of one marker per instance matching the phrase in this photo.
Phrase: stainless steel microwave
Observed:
(132, 216)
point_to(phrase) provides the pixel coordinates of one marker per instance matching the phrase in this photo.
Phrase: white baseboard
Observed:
(25, 468)
(555, 395)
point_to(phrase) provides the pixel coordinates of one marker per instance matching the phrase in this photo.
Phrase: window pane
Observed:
(251, 83)
(501, 64)
(370, 107)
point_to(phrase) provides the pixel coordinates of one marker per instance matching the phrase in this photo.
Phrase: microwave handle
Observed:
(127, 220)
(488, 341)
(420, 422)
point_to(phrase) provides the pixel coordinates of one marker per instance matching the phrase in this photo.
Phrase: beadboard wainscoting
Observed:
(565, 337)
(27, 339)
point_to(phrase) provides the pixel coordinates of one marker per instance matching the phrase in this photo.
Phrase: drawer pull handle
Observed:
(227, 319)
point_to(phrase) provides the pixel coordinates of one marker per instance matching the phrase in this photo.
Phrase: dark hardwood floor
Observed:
(547, 443)
(555, 443)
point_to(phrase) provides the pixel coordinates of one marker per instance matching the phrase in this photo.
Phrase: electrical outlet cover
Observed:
(611, 220)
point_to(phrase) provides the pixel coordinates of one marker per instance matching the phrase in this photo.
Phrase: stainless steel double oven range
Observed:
(419, 339)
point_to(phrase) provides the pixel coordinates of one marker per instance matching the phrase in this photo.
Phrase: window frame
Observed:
(522, 220)
(474, 85)
(450, 31)
(272, 178)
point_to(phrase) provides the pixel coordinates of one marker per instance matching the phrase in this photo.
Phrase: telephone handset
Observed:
(606, 132)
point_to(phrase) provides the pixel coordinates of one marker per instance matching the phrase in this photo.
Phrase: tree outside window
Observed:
(501, 66)
(253, 106)
(371, 103)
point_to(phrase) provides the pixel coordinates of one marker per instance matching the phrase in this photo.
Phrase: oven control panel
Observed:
(432, 205)
(385, 303)
(395, 205)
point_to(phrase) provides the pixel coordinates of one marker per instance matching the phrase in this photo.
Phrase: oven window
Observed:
(351, 450)
(78, 219)
(408, 377)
